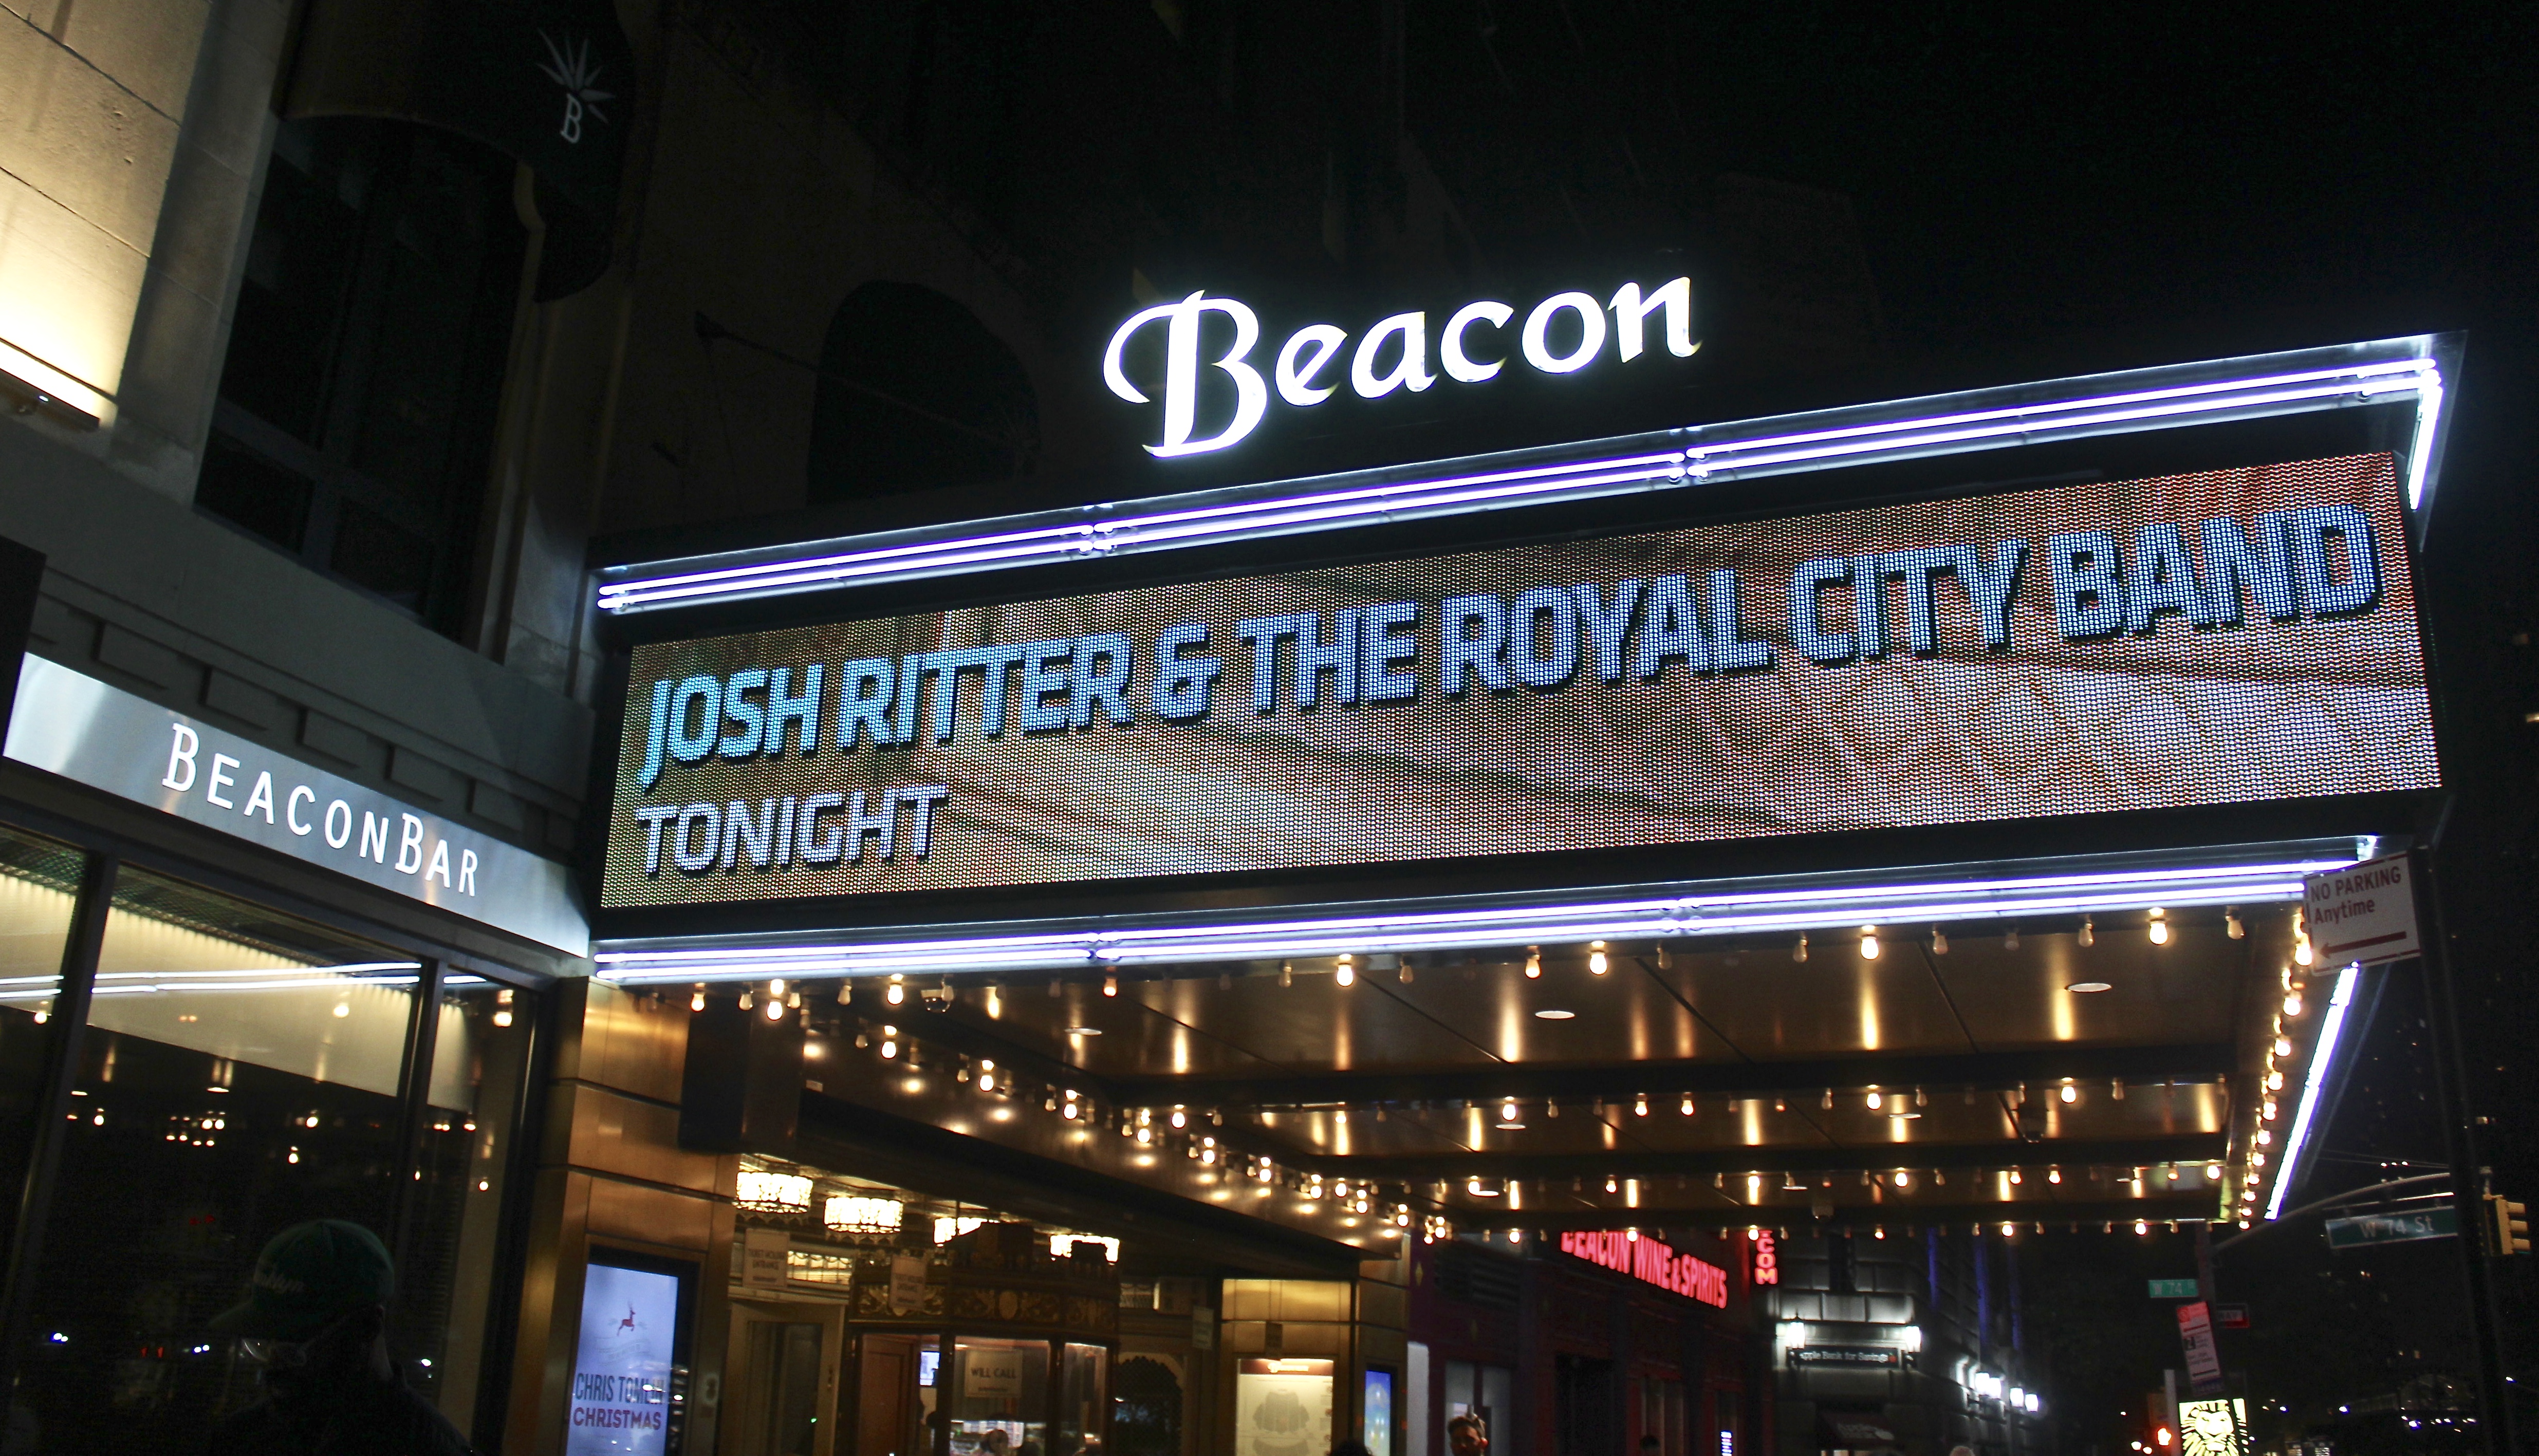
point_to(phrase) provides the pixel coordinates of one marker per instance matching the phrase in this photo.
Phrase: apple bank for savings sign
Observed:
(1561, 335)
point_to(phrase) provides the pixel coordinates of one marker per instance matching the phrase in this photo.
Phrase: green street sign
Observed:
(2172, 1288)
(2407, 1228)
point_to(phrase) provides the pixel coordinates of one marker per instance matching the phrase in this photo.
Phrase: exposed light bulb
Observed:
(1877, 1101)
(1110, 985)
(1903, 1179)
(747, 1001)
(2231, 924)
(775, 1008)
(2054, 1175)
(894, 994)
(1533, 963)
(1687, 1107)
(2009, 939)
(1180, 1118)
(2293, 1003)
(1347, 976)
(1640, 1108)
(2071, 1093)
(1799, 952)
(2159, 932)
(2088, 932)
(1938, 941)
(1595, 961)
(1868, 945)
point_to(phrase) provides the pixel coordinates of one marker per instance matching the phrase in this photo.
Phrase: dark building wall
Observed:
(1595, 1359)
(1949, 1295)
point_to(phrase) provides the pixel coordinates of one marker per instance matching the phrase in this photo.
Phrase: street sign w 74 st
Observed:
(2406, 1228)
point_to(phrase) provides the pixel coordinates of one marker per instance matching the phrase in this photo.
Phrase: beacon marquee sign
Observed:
(1208, 349)
(2214, 637)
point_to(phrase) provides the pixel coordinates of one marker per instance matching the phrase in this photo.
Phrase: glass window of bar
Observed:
(240, 1070)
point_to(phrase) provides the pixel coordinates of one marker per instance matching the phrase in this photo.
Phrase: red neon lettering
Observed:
(1654, 1263)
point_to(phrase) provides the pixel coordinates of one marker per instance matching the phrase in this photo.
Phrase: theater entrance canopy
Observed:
(1886, 815)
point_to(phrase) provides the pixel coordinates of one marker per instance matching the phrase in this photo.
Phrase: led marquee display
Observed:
(2218, 638)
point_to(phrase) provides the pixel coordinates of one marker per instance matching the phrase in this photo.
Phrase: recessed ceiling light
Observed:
(1554, 1014)
(1095, 1031)
(1509, 1127)
(2087, 988)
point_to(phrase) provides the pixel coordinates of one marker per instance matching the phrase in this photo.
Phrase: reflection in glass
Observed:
(479, 1059)
(999, 1397)
(239, 1076)
(786, 1356)
(38, 885)
(1083, 1384)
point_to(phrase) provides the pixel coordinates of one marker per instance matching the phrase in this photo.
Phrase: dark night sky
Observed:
(2159, 185)
(2028, 173)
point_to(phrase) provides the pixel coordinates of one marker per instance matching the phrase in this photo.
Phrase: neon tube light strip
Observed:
(2330, 1033)
(1444, 925)
(2143, 399)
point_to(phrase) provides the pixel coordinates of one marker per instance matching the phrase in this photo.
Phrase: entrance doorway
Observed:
(1582, 1395)
(783, 1395)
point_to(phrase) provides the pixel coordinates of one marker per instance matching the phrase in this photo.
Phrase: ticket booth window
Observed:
(998, 1404)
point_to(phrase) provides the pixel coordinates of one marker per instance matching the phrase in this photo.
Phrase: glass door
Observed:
(780, 1387)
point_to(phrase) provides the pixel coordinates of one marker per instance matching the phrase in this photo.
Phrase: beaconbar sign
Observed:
(94, 733)
(2220, 638)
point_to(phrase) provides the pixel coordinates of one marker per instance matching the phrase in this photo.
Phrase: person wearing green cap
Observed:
(316, 1319)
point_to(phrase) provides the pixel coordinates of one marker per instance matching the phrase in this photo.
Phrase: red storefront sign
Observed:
(1650, 1262)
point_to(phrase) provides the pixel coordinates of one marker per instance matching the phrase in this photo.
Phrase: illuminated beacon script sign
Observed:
(69, 723)
(1561, 335)
(2220, 638)
(1650, 1262)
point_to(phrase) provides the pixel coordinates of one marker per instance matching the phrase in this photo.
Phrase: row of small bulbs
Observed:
(1908, 1230)
(1150, 1127)
(2261, 1141)
(1899, 1178)
(895, 991)
(2157, 930)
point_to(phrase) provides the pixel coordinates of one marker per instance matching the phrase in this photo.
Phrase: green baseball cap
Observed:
(309, 1277)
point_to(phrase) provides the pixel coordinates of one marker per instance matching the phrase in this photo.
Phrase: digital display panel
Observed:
(1376, 1414)
(2214, 637)
(622, 1388)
